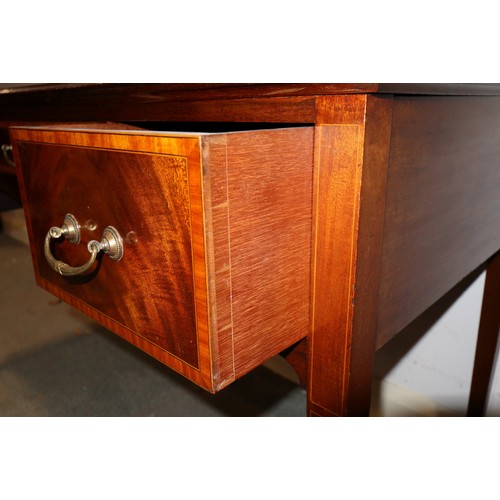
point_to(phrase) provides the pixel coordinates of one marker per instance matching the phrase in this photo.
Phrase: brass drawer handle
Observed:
(7, 154)
(111, 244)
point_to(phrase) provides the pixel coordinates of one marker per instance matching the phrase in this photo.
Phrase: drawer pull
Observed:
(7, 154)
(111, 244)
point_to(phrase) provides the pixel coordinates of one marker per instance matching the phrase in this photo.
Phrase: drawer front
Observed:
(183, 290)
(102, 188)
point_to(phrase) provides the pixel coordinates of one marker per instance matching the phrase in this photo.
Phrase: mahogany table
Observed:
(406, 202)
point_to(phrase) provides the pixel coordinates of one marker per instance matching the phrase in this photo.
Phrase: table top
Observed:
(248, 89)
(21, 103)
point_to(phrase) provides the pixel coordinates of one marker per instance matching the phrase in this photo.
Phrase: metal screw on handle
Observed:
(111, 244)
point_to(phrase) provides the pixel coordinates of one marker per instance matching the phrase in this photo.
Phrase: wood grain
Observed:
(443, 210)
(270, 218)
(278, 109)
(218, 279)
(172, 91)
(98, 100)
(161, 228)
(260, 221)
(195, 101)
(129, 102)
(440, 220)
(462, 89)
(352, 148)
(155, 296)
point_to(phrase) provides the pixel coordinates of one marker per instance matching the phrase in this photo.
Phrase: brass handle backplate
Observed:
(111, 244)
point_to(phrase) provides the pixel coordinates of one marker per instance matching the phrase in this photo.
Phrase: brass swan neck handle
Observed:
(111, 244)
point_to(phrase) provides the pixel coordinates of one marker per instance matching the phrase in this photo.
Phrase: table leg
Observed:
(351, 160)
(487, 340)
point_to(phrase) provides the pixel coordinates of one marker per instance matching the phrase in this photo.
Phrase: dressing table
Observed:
(311, 220)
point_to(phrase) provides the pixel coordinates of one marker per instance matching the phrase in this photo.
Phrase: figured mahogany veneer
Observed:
(215, 276)
(402, 183)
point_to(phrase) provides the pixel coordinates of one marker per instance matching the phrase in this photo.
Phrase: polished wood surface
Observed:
(442, 208)
(149, 297)
(404, 205)
(155, 229)
(352, 151)
(175, 102)
(260, 222)
(251, 102)
(207, 254)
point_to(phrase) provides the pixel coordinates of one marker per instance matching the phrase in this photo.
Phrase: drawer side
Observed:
(260, 214)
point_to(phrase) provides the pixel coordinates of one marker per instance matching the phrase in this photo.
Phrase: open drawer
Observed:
(193, 247)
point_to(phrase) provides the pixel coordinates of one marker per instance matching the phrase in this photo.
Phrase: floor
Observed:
(54, 361)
